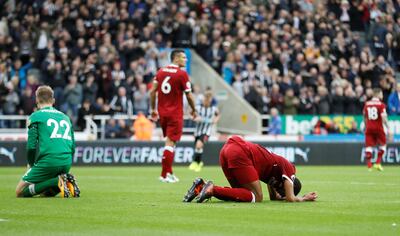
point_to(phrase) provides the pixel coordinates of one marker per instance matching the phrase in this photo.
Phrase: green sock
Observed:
(38, 188)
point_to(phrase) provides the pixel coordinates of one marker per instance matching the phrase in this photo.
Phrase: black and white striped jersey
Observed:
(207, 115)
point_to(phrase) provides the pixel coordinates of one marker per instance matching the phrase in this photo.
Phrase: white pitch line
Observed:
(372, 183)
(3, 220)
(354, 183)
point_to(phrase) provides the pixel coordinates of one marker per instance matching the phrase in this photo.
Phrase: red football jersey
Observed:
(373, 111)
(172, 83)
(265, 162)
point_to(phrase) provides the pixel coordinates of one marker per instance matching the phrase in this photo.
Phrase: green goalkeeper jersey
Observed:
(50, 138)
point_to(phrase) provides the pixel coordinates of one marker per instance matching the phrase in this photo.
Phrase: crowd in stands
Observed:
(99, 56)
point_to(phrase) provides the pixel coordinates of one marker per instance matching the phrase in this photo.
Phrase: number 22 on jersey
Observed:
(64, 124)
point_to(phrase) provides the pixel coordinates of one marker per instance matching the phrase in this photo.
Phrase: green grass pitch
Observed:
(131, 201)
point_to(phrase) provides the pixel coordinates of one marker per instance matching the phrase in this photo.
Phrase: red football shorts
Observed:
(171, 127)
(373, 139)
(237, 167)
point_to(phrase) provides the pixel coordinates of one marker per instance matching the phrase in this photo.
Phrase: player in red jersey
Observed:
(245, 164)
(376, 126)
(170, 83)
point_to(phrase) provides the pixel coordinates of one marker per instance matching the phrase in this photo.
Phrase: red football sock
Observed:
(170, 159)
(167, 160)
(368, 157)
(233, 194)
(380, 155)
(164, 166)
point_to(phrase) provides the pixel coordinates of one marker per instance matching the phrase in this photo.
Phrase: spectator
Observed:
(112, 129)
(27, 104)
(143, 128)
(57, 81)
(354, 129)
(276, 97)
(121, 104)
(265, 100)
(361, 98)
(338, 101)
(72, 98)
(253, 97)
(323, 128)
(228, 68)
(85, 110)
(350, 102)
(306, 101)
(238, 85)
(11, 100)
(142, 99)
(21, 72)
(124, 130)
(307, 44)
(215, 56)
(290, 103)
(90, 89)
(182, 32)
(101, 108)
(323, 101)
(394, 101)
(275, 122)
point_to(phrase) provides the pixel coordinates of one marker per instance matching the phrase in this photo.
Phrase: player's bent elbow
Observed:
(291, 199)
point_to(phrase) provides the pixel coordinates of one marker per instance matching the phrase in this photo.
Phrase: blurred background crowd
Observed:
(99, 56)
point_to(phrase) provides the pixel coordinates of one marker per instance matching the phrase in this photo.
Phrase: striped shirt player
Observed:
(204, 126)
(208, 115)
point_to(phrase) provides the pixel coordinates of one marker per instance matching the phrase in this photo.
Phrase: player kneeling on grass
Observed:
(50, 147)
(246, 164)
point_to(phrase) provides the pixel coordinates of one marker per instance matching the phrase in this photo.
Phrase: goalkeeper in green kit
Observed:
(50, 148)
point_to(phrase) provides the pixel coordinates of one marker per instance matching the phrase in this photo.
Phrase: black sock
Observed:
(197, 157)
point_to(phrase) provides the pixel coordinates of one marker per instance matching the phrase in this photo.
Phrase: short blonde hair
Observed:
(44, 95)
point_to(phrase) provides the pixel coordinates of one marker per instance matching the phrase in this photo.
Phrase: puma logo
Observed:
(301, 153)
(9, 154)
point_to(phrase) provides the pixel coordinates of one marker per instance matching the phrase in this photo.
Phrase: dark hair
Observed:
(296, 186)
(279, 187)
(175, 53)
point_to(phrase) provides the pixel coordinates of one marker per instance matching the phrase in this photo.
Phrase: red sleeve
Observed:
(382, 109)
(364, 110)
(288, 171)
(156, 78)
(186, 86)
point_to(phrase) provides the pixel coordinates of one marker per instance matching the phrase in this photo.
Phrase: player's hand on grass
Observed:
(312, 196)
(154, 115)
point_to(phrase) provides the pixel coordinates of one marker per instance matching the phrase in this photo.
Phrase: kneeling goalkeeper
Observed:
(50, 148)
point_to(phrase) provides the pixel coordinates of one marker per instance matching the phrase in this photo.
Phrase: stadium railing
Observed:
(95, 126)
